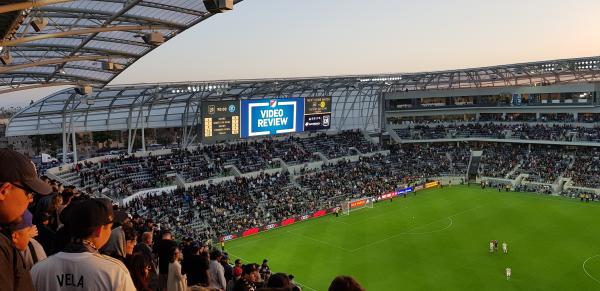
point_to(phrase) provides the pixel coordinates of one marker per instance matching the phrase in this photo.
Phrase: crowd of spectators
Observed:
(335, 146)
(550, 132)
(537, 188)
(545, 165)
(120, 176)
(584, 171)
(62, 219)
(225, 207)
(581, 194)
(544, 132)
(54, 238)
(449, 131)
(243, 202)
(499, 117)
(588, 134)
(499, 160)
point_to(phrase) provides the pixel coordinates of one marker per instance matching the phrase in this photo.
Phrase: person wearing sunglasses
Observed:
(19, 182)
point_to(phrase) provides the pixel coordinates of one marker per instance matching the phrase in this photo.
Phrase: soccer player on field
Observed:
(491, 246)
(505, 247)
(508, 273)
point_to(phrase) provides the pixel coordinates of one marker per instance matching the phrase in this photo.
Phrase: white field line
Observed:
(408, 232)
(319, 241)
(304, 286)
(585, 270)
(434, 231)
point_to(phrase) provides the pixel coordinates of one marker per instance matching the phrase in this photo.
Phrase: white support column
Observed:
(143, 129)
(65, 143)
(74, 141)
(129, 143)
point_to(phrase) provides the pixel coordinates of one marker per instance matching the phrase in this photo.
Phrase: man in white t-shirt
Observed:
(79, 266)
(505, 247)
(508, 273)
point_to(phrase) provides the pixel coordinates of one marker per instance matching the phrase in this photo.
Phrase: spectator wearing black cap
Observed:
(18, 184)
(80, 265)
(250, 278)
(216, 271)
(196, 266)
(163, 249)
(46, 236)
(279, 280)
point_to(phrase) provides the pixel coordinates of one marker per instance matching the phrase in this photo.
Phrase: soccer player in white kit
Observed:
(508, 273)
(505, 247)
(491, 246)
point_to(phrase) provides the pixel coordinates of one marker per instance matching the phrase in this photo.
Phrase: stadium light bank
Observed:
(381, 79)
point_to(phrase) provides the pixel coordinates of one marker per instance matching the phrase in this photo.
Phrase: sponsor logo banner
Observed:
(432, 184)
(285, 222)
(228, 237)
(320, 213)
(251, 231)
(317, 122)
(358, 203)
(288, 221)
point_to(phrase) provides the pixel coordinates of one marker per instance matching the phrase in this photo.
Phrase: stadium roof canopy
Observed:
(82, 42)
(355, 98)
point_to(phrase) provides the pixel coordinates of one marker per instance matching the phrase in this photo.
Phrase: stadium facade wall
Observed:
(562, 88)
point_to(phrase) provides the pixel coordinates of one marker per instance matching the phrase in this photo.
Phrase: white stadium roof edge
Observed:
(47, 43)
(356, 99)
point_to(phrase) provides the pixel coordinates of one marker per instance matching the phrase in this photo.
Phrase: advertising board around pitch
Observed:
(271, 116)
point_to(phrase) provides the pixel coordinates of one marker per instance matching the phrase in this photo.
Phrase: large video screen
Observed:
(226, 120)
(272, 116)
(221, 120)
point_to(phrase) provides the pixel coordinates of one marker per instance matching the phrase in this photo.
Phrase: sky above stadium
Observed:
(299, 38)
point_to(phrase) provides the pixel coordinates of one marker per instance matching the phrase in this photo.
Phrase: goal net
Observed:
(351, 205)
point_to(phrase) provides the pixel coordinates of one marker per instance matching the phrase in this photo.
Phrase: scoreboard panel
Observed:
(317, 113)
(221, 120)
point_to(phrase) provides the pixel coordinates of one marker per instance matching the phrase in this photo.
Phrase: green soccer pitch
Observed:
(439, 240)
